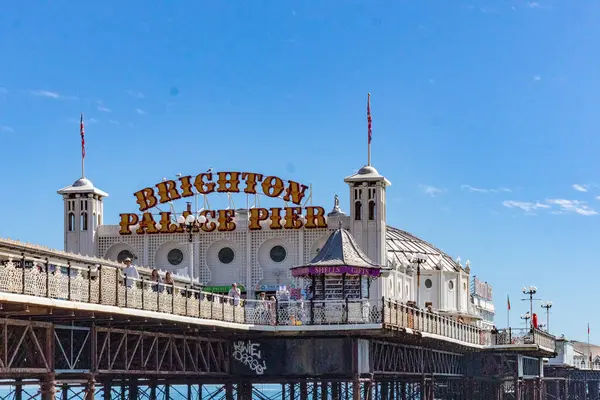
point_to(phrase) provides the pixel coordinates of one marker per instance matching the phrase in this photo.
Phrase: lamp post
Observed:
(526, 317)
(418, 259)
(531, 290)
(188, 224)
(547, 305)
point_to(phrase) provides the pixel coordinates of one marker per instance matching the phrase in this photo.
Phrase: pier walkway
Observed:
(74, 322)
(32, 275)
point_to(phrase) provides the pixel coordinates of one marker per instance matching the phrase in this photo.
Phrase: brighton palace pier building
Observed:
(256, 247)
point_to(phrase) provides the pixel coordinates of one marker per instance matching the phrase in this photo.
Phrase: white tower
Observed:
(368, 216)
(83, 214)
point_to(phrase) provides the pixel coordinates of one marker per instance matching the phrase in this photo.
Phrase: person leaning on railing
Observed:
(130, 272)
(157, 285)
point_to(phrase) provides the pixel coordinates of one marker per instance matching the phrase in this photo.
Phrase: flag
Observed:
(369, 116)
(508, 302)
(82, 137)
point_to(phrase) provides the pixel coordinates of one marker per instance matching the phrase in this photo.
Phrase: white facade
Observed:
(261, 259)
(566, 355)
(83, 213)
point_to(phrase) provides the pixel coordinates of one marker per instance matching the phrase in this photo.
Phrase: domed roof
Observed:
(401, 245)
(83, 182)
(367, 169)
(82, 186)
(367, 173)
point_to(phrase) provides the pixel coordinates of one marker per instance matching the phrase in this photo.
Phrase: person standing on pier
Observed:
(130, 272)
(235, 294)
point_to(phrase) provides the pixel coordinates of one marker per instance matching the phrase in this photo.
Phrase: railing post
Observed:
(233, 304)
(186, 300)
(173, 297)
(158, 296)
(126, 290)
(47, 278)
(69, 280)
(117, 287)
(23, 271)
(89, 283)
(222, 309)
(199, 304)
(382, 310)
(347, 310)
(99, 284)
(276, 312)
(212, 300)
(143, 308)
(312, 312)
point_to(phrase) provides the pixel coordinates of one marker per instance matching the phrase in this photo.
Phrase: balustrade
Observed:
(107, 285)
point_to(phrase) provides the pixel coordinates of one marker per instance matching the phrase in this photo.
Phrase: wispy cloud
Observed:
(101, 107)
(537, 78)
(573, 206)
(45, 93)
(3, 90)
(140, 111)
(137, 95)
(534, 4)
(7, 129)
(112, 121)
(431, 190)
(526, 206)
(93, 121)
(554, 206)
(580, 187)
(51, 95)
(482, 190)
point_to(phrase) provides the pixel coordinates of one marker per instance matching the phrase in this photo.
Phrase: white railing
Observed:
(399, 315)
(106, 285)
(524, 336)
(71, 279)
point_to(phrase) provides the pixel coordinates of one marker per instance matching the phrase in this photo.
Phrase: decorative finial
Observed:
(336, 207)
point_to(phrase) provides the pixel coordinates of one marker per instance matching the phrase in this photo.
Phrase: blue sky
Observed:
(483, 118)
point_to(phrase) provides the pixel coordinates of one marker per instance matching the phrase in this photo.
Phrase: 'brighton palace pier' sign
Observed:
(223, 220)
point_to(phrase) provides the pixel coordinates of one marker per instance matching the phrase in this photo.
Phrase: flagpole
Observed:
(508, 311)
(589, 354)
(369, 123)
(82, 132)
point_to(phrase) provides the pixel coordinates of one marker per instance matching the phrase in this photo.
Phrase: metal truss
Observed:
(72, 349)
(123, 351)
(25, 347)
(397, 359)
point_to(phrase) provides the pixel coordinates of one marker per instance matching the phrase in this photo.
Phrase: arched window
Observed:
(357, 210)
(371, 210)
(71, 222)
(84, 221)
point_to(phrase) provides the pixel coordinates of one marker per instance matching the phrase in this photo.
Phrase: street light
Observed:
(526, 317)
(531, 290)
(547, 305)
(418, 259)
(188, 224)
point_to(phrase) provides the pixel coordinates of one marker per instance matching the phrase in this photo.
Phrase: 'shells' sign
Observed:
(223, 220)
